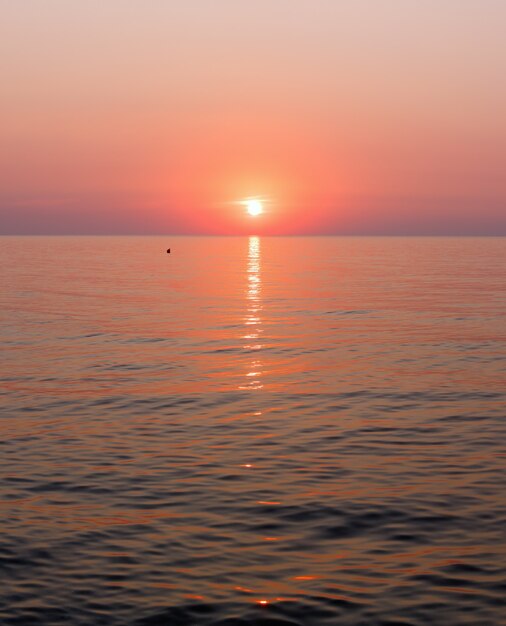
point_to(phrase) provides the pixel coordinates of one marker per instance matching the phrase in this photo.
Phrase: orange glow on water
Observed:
(272, 538)
(190, 443)
(264, 602)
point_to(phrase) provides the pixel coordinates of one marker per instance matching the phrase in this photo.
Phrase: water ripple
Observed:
(269, 438)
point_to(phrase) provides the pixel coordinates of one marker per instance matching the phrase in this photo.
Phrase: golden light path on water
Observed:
(252, 318)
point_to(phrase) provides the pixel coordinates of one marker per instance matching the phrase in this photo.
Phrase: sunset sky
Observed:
(339, 116)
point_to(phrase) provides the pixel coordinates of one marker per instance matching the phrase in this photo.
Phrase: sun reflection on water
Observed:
(252, 318)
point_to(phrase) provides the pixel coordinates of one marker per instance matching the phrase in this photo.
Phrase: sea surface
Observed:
(266, 431)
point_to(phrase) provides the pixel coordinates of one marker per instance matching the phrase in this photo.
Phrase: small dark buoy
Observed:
(168, 251)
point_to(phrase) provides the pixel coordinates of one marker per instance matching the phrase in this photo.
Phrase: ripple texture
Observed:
(267, 431)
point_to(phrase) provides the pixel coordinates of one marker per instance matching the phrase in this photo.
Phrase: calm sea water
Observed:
(270, 431)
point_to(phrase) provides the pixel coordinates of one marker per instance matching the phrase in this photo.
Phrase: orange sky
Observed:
(345, 116)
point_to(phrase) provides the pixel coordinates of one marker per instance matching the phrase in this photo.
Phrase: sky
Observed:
(365, 117)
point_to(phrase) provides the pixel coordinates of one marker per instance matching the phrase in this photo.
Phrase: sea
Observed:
(292, 431)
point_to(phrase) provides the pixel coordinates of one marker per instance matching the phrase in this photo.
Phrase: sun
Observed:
(254, 207)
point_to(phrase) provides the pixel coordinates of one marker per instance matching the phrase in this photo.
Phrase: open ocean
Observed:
(270, 431)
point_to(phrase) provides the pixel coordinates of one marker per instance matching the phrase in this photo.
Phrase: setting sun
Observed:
(254, 207)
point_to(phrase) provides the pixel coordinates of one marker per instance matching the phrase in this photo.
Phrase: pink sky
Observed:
(344, 116)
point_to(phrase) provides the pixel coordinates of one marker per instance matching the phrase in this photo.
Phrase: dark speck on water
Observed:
(268, 438)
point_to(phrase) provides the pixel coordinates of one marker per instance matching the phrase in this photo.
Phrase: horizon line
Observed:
(448, 235)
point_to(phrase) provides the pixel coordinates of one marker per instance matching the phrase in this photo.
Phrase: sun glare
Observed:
(254, 207)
